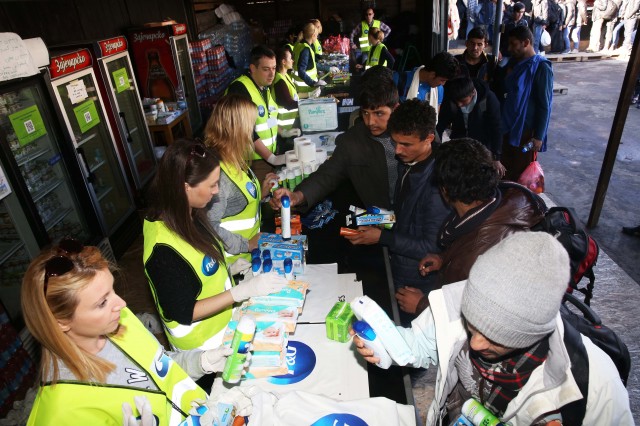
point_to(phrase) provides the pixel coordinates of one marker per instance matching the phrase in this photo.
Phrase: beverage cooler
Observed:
(163, 66)
(125, 106)
(79, 103)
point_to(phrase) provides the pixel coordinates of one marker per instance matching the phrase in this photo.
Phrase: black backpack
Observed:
(563, 224)
(589, 324)
(555, 14)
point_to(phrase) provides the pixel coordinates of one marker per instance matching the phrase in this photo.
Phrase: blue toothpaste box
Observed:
(280, 249)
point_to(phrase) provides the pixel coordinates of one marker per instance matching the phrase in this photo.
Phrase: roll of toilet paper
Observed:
(321, 156)
(292, 164)
(299, 141)
(307, 152)
(308, 167)
(288, 156)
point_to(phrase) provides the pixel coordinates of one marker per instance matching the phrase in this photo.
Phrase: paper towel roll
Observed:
(321, 156)
(288, 156)
(297, 142)
(306, 151)
(293, 163)
(38, 51)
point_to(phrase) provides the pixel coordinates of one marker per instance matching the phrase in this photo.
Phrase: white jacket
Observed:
(438, 333)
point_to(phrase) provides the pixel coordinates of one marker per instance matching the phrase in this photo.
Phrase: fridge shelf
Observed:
(132, 131)
(104, 193)
(47, 189)
(87, 139)
(57, 218)
(97, 166)
(8, 249)
(31, 157)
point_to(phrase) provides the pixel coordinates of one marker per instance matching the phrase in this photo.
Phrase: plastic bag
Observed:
(545, 38)
(533, 177)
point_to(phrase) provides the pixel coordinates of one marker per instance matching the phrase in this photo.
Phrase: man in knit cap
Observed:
(498, 338)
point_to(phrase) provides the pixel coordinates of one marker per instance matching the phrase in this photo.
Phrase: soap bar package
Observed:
(338, 322)
(293, 249)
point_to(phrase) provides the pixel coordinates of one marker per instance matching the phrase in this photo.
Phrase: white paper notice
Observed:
(77, 91)
(5, 189)
(15, 59)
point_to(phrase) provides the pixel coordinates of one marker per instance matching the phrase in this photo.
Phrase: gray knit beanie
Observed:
(514, 290)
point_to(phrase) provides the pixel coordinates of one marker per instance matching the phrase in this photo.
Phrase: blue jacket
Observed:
(419, 216)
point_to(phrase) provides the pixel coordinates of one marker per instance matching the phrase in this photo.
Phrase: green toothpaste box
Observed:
(338, 321)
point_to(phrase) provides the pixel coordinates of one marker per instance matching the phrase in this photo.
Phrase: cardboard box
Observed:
(280, 249)
(338, 321)
(317, 115)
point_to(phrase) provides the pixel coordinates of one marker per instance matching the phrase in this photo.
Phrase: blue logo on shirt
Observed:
(260, 110)
(339, 419)
(161, 363)
(252, 189)
(300, 359)
(209, 266)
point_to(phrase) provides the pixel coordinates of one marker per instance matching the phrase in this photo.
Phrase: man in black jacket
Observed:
(472, 110)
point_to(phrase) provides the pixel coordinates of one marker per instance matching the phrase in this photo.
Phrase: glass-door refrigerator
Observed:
(163, 66)
(73, 86)
(113, 61)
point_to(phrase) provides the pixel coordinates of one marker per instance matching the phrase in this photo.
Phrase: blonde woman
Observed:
(235, 216)
(304, 61)
(317, 47)
(378, 53)
(96, 355)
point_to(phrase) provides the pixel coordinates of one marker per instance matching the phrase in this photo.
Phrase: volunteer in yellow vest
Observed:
(96, 355)
(305, 74)
(255, 85)
(379, 54)
(361, 31)
(183, 256)
(317, 46)
(284, 90)
(235, 215)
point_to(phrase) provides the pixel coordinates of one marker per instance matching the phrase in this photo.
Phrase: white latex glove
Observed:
(291, 133)
(320, 83)
(144, 408)
(334, 70)
(240, 266)
(261, 285)
(213, 360)
(240, 397)
(276, 160)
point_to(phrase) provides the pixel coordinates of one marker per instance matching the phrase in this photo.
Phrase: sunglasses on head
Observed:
(199, 150)
(60, 264)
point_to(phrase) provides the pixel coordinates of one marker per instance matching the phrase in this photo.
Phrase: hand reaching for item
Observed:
(261, 285)
(291, 133)
(144, 408)
(276, 160)
(320, 83)
(408, 299)
(430, 263)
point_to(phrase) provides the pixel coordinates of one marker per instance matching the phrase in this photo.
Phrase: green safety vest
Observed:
(83, 403)
(364, 34)
(374, 56)
(206, 333)
(267, 120)
(247, 222)
(301, 86)
(290, 46)
(317, 47)
(286, 117)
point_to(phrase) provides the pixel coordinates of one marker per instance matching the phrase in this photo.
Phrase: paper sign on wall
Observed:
(5, 189)
(87, 115)
(15, 59)
(77, 91)
(121, 80)
(27, 124)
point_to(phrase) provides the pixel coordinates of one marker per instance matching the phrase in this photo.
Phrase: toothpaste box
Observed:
(280, 249)
(370, 216)
(338, 321)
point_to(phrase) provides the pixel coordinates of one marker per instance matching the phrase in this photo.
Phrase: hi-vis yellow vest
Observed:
(286, 117)
(301, 86)
(317, 47)
(247, 222)
(206, 333)
(374, 56)
(81, 403)
(364, 34)
(267, 120)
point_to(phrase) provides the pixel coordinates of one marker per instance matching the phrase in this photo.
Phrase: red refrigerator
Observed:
(163, 66)
(74, 88)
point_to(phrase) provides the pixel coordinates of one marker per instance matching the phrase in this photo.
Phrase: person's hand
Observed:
(537, 144)
(334, 70)
(500, 168)
(276, 160)
(213, 360)
(253, 242)
(320, 83)
(291, 133)
(430, 263)
(296, 197)
(240, 266)
(358, 66)
(366, 353)
(367, 235)
(239, 397)
(144, 408)
(408, 299)
(263, 284)
(269, 181)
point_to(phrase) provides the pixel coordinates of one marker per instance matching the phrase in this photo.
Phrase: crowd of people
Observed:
(480, 293)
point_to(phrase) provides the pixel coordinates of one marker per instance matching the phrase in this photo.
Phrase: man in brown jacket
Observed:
(483, 215)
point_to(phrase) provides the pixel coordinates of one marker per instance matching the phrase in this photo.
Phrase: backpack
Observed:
(555, 14)
(590, 325)
(563, 224)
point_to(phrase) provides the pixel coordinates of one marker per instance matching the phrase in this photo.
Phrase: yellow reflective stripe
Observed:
(268, 141)
(286, 122)
(240, 224)
(287, 111)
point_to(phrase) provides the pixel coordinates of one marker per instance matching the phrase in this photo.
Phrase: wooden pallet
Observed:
(578, 57)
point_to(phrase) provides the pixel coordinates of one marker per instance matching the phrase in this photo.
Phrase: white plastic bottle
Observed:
(285, 217)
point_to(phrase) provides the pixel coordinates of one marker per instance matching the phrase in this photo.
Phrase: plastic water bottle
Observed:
(478, 414)
(528, 147)
(242, 338)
